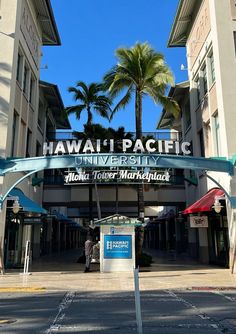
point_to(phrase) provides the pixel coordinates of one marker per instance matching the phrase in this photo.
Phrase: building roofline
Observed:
(183, 86)
(63, 123)
(183, 22)
(50, 11)
(55, 87)
(46, 19)
(173, 28)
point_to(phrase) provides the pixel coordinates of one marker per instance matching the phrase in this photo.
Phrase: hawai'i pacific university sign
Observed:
(80, 154)
(125, 145)
(90, 153)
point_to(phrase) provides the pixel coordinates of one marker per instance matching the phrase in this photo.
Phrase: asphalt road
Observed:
(163, 312)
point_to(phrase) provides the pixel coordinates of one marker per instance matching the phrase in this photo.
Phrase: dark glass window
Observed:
(28, 143)
(19, 68)
(15, 126)
(204, 78)
(201, 143)
(212, 68)
(25, 80)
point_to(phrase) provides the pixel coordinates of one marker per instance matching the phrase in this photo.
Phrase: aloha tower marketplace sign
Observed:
(106, 176)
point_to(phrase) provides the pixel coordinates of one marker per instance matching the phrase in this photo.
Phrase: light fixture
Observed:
(183, 68)
(45, 67)
(217, 205)
(16, 206)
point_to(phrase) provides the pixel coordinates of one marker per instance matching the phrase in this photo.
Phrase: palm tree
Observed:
(91, 98)
(140, 71)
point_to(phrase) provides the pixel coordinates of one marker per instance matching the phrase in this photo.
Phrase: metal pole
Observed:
(98, 201)
(137, 302)
(27, 258)
(1, 258)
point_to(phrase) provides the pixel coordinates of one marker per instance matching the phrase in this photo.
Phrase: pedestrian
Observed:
(88, 247)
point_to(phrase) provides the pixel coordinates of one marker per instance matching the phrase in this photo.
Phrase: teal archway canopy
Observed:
(26, 203)
(29, 166)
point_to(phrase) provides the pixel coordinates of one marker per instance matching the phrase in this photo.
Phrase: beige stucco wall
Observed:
(199, 33)
(14, 36)
(213, 30)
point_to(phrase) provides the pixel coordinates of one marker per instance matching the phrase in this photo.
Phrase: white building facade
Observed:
(207, 28)
(25, 108)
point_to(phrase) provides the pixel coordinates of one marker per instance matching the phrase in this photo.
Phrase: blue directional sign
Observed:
(117, 247)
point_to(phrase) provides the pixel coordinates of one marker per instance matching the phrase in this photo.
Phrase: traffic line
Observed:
(65, 303)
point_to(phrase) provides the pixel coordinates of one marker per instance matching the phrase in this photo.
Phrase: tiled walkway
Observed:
(62, 272)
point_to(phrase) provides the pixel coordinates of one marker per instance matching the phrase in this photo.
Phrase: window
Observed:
(40, 116)
(216, 129)
(25, 80)
(28, 143)
(212, 68)
(198, 92)
(201, 143)
(19, 68)
(32, 90)
(38, 149)
(204, 79)
(15, 127)
(235, 42)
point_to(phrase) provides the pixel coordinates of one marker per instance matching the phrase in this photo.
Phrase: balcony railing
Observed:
(73, 135)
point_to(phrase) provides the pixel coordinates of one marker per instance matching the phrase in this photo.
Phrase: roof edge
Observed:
(183, 84)
(179, 8)
(52, 17)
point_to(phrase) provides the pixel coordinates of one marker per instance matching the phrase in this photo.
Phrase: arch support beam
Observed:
(3, 197)
(35, 164)
(232, 199)
(115, 160)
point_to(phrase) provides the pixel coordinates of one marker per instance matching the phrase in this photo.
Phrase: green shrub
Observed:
(143, 260)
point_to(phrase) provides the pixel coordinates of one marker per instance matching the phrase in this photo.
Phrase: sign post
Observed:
(137, 302)
(27, 258)
(1, 259)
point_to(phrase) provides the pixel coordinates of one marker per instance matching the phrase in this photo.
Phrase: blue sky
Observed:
(91, 31)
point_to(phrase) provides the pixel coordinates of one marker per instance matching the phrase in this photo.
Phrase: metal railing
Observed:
(73, 135)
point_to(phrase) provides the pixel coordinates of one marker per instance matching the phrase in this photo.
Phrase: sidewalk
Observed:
(61, 272)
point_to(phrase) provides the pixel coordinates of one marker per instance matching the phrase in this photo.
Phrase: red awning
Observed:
(205, 203)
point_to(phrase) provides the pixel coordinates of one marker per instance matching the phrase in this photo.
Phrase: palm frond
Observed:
(75, 110)
(170, 105)
(123, 102)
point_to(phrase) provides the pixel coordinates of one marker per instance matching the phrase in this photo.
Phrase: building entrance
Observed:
(125, 161)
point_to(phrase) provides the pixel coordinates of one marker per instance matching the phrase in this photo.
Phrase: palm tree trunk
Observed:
(90, 116)
(140, 196)
(90, 201)
(98, 201)
(138, 114)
